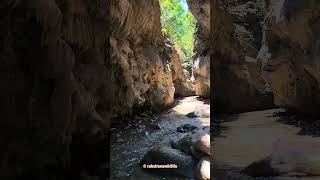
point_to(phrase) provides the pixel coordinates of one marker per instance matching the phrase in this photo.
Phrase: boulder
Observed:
(191, 145)
(163, 155)
(200, 111)
(184, 144)
(187, 128)
(260, 168)
(203, 169)
(201, 142)
(289, 158)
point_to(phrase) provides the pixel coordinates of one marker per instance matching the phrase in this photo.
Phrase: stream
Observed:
(131, 143)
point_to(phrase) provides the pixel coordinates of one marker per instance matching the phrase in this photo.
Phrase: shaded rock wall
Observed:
(150, 68)
(291, 54)
(53, 57)
(236, 37)
(201, 63)
(69, 69)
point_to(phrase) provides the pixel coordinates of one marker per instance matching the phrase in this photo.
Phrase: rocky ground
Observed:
(216, 125)
(309, 125)
(130, 144)
(249, 137)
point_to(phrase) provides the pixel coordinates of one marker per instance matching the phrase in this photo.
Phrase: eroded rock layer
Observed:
(291, 54)
(68, 70)
(236, 37)
(201, 62)
(150, 67)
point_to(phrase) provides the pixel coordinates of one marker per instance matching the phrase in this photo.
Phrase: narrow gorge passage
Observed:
(73, 70)
(265, 56)
(157, 138)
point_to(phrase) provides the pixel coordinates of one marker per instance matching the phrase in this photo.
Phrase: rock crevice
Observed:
(201, 62)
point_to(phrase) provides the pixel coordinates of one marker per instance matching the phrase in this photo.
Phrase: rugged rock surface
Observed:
(236, 36)
(163, 155)
(291, 54)
(185, 152)
(138, 49)
(180, 75)
(67, 71)
(201, 63)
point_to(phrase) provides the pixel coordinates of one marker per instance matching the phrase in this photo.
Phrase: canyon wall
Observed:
(236, 37)
(54, 58)
(291, 54)
(69, 69)
(201, 63)
(150, 68)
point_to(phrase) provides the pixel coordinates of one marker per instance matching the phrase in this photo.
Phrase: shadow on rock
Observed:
(260, 168)
(163, 155)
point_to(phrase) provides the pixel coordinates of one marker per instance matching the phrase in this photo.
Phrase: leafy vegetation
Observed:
(260, 4)
(179, 25)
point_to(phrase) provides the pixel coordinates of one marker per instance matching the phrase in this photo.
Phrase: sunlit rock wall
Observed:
(201, 63)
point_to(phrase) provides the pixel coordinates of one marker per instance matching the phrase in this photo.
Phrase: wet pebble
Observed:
(120, 140)
(186, 128)
(154, 126)
(203, 169)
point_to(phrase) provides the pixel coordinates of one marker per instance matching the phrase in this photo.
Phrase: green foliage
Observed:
(260, 4)
(179, 24)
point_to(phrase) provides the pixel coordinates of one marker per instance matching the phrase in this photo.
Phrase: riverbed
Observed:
(130, 143)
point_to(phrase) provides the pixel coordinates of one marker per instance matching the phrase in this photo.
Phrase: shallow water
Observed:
(129, 144)
(249, 137)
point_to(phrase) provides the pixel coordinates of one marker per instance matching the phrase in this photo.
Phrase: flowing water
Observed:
(129, 144)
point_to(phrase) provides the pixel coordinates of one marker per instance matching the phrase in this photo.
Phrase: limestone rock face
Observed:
(235, 41)
(180, 76)
(201, 64)
(138, 50)
(68, 70)
(291, 54)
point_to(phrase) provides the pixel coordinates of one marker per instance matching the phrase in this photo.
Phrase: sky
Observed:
(185, 4)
